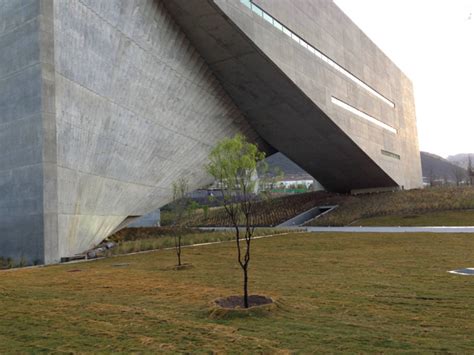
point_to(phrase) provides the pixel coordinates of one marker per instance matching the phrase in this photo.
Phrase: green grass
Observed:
(400, 203)
(443, 218)
(350, 293)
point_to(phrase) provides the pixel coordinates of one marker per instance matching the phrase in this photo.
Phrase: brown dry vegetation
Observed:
(335, 293)
(409, 202)
(353, 208)
(269, 212)
(131, 240)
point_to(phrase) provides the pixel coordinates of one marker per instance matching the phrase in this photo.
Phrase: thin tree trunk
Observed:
(246, 292)
(177, 247)
(248, 239)
(179, 250)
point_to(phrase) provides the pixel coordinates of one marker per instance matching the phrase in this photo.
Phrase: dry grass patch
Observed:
(336, 293)
(268, 212)
(410, 202)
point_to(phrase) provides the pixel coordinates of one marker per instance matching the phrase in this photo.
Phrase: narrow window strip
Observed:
(363, 115)
(261, 13)
(390, 154)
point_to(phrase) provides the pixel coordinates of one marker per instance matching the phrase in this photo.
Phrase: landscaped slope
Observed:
(398, 203)
(269, 212)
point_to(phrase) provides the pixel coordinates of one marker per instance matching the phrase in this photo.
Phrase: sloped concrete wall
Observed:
(288, 92)
(136, 108)
(103, 104)
(323, 25)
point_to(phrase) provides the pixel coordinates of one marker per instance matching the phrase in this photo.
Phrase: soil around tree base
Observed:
(233, 307)
(178, 267)
(235, 302)
(183, 267)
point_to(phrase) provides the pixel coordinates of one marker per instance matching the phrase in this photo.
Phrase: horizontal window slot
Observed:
(363, 115)
(390, 154)
(279, 26)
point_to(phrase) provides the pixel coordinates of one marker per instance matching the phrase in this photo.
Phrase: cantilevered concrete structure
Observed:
(104, 103)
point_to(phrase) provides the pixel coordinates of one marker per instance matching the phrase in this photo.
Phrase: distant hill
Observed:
(461, 159)
(437, 168)
(287, 166)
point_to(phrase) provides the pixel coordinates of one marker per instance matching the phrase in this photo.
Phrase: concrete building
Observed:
(104, 103)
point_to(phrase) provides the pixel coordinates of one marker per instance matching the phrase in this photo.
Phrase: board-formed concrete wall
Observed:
(137, 108)
(104, 103)
(125, 107)
(26, 128)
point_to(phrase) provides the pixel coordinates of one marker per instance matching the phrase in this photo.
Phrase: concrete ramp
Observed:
(307, 216)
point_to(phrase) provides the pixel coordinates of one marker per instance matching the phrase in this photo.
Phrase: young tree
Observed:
(470, 171)
(234, 163)
(180, 206)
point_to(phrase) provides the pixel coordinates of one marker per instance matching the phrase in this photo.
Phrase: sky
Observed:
(432, 42)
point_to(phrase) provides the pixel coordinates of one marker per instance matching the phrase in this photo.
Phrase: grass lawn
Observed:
(336, 292)
(444, 218)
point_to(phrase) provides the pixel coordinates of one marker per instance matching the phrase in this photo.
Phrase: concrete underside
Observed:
(104, 103)
(285, 92)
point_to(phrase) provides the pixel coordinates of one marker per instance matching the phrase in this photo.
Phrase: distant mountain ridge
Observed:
(435, 167)
(461, 159)
(287, 167)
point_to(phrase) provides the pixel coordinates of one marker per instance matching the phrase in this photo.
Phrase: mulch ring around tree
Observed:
(232, 302)
(178, 267)
(233, 306)
(183, 267)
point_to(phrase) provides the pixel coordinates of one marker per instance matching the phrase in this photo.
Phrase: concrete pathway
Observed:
(364, 229)
(466, 272)
(390, 229)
